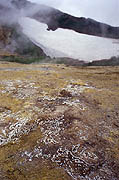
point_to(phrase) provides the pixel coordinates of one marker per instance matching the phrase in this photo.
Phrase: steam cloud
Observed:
(9, 14)
(11, 11)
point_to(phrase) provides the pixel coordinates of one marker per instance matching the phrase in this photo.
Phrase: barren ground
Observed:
(59, 122)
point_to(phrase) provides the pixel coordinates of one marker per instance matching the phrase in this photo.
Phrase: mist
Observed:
(8, 14)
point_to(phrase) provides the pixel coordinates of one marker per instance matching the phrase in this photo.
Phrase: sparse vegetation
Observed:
(23, 60)
(61, 120)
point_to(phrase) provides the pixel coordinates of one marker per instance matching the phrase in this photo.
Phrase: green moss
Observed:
(23, 60)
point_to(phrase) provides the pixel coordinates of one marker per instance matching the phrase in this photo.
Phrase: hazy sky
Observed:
(101, 10)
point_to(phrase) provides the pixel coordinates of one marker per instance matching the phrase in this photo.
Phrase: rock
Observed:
(65, 93)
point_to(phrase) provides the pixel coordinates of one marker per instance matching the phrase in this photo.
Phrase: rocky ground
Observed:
(59, 122)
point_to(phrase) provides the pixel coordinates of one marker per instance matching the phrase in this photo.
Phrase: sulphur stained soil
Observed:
(58, 122)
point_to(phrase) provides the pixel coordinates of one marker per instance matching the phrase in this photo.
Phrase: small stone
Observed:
(65, 93)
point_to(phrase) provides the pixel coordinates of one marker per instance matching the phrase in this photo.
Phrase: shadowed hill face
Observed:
(14, 43)
(88, 26)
